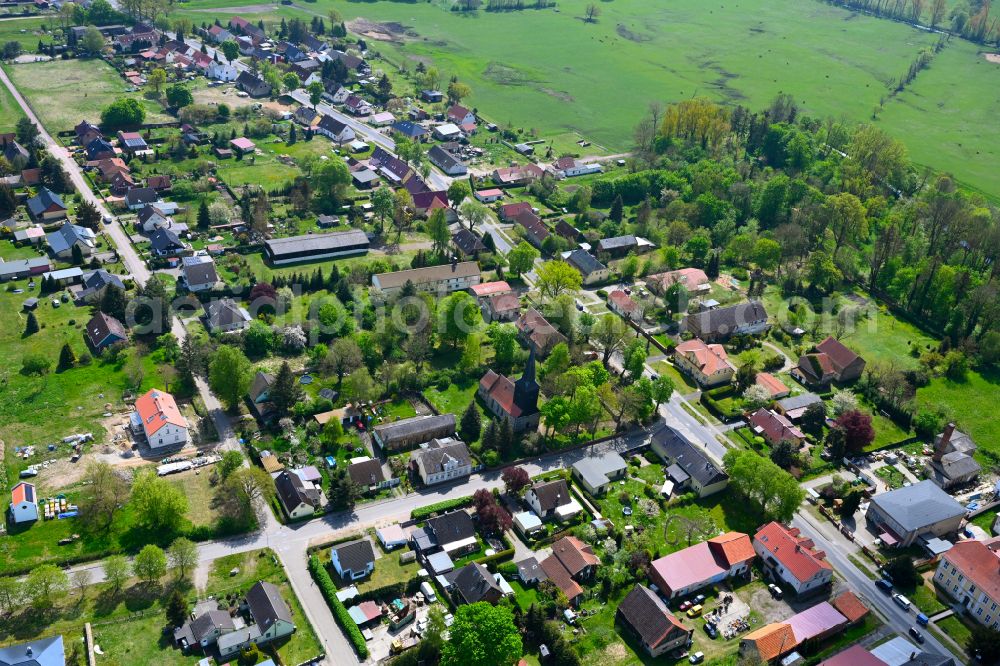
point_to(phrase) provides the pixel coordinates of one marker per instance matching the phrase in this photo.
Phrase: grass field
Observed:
(969, 403)
(28, 31)
(10, 110)
(62, 92)
(835, 62)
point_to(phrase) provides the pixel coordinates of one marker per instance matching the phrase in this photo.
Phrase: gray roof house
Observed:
(95, 283)
(204, 630)
(353, 560)
(138, 197)
(795, 406)
(199, 273)
(62, 240)
(748, 318)
(225, 315)
(413, 431)
(901, 516)
(475, 583)
(447, 162)
(952, 463)
(316, 246)
(298, 498)
(41, 652)
(165, 242)
(443, 460)
(46, 205)
(687, 467)
(272, 620)
(596, 472)
(453, 533)
(590, 268)
(104, 330)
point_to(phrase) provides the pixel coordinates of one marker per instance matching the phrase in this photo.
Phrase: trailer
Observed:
(174, 468)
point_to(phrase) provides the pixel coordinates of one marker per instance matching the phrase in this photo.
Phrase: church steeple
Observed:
(526, 388)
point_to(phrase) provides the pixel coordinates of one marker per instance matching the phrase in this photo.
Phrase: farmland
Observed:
(62, 92)
(835, 63)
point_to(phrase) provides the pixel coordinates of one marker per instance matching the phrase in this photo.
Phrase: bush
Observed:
(329, 590)
(423, 512)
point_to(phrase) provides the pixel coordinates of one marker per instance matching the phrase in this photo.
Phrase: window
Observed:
(993, 607)
(979, 611)
(987, 620)
(972, 589)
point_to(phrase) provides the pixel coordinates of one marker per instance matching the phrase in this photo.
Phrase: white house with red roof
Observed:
(460, 115)
(708, 364)
(624, 305)
(970, 573)
(157, 418)
(792, 559)
(23, 503)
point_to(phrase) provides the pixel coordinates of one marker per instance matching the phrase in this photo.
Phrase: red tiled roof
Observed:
(156, 409)
(775, 427)
(977, 562)
(850, 606)
(501, 389)
(795, 553)
(772, 640)
(623, 301)
(510, 211)
(557, 573)
(574, 554)
(709, 358)
(505, 302)
(838, 353)
(771, 383)
(735, 547)
(490, 288)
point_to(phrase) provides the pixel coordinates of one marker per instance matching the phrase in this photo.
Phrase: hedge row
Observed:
(329, 590)
(423, 512)
(713, 406)
(496, 557)
(392, 590)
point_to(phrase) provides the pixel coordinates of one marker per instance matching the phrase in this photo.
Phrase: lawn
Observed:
(454, 399)
(29, 31)
(62, 92)
(955, 629)
(388, 569)
(10, 111)
(892, 476)
(682, 382)
(970, 404)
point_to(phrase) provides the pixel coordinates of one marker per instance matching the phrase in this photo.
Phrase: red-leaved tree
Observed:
(857, 428)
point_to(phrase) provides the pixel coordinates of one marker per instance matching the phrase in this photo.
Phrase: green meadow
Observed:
(597, 78)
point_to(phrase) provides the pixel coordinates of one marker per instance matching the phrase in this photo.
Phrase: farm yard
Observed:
(836, 63)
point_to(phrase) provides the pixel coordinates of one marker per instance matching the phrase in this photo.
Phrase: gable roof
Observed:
(366, 473)
(838, 353)
(100, 278)
(574, 554)
(688, 457)
(165, 239)
(723, 321)
(68, 235)
(103, 325)
(557, 573)
(267, 606)
(595, 469)
(512, 210)
(415, 425)
(616, 243)
(501, 389)
(643, 610)
(156, 409)
(23, 492)
(772, 640)
(732, 548)
(537, 329)
(816, 621)
(292, 491)
(795, 553)
(452, 527)
(200, 272)
(551, 494)
(584, 262)
(798, 401)
(978, 563)
(773, 385)
(855, 655)
(710, 358)
(225, 312)
(141, 195)
(775, 427)
(439, 452)
(43, 652)
(418, 276)
(355, 555)
(206, 623)
(848, 605)
(474, 581)
(918, 506)
(467, 241)
(44, 200)
(533, 225)
(443, 158)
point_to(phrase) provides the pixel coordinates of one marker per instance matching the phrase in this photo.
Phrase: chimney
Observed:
(942, 443)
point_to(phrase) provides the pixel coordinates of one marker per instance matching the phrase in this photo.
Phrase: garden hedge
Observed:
(423, 512)
(329, 590)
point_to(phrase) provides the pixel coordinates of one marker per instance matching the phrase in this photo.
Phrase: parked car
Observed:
(901, 601)
(883, 585)
(917, 636)
(922, 619)
(775, 591)
(697, 658)
(694, 611)
(685, 605)
(711, 630)
(700, 599)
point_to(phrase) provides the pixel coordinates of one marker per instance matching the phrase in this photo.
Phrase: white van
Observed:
(901, 601)
(428, 591)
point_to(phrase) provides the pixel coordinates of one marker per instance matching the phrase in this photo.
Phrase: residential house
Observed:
(501, 307)
(952, 463)
(592, 270)
(707, 364)
(40, 652)
(792, 559)
(515, 401)
(467, 243)
(165, 243)
(453, 533)
(901, 516)
(271, 616)
(830, 361)
(969, 573)
(596, 473)
(509, 212)
(794, 407)
(150, 218)
(225, 316)
(447, 132)
(95, 283)
(132, 143)
(86, 132)
(260, 395)
(538, 333)
(460, 115)
(312, 247)
(22, 268)
(198, 273)
(15, 154)
(647, 618)
(567, 231)
(491, 195)
(218, 34)
(535, 230)
(298, 498)
(775, 428)
(517, 175)
(104, 330)
(693, 280)
(158, 419)
(447, 162)
(357, 106)
(475, 583)
(552, 499)
(409, 129)
(306, 116)
(353, 560)
(688, 468)
(62, 241)
(139, 197)
(204, 630)
(432, 96)
(568, 167)
(409, 433)
(448, 278)
(571, 562)
(768, 643)
(252, 85)
(46, 206)
(743, 319)
(121, 182)
(335, 130)
(367, 473)
(442, 460)
(625, 305)
(703, 564)
(221, 71)
(23, 503)
(774, 386)
(619, 246)
(425, 203)
(99, 149)
(487, 289)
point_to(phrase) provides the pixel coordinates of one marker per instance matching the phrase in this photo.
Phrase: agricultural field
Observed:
(64, 92)
(835, 62)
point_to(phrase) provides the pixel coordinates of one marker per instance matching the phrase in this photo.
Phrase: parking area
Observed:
(380, 645)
